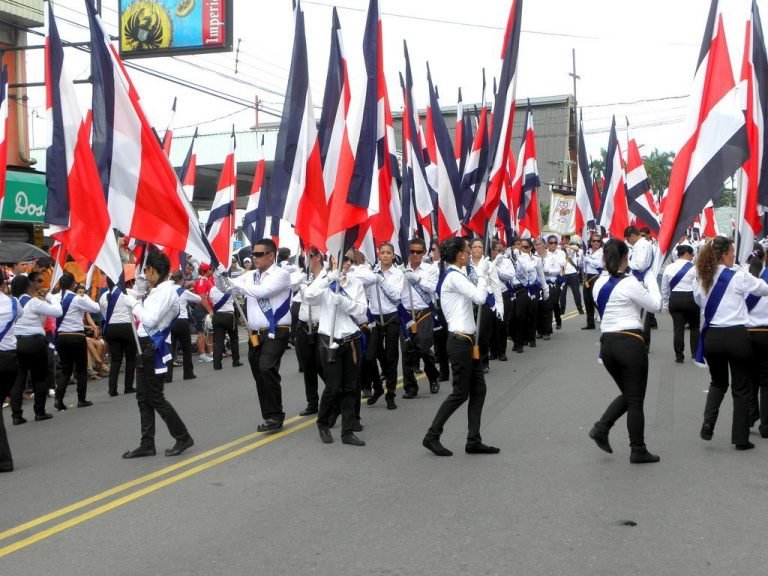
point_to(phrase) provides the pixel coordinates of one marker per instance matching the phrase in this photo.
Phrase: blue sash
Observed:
(14, 314)
(472, 274)
(162, 351)
(675, 280)
(273, 316)
(713, 302)
(114, 296)
(221, 302)
(605, 293)
(424, 295)
(751, 299)
(25, 298)
(442, 279)
(640, 274)
(66, 302)
(534, 289)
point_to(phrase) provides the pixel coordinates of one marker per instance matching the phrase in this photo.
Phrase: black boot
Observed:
(640, 455)
(599, 434)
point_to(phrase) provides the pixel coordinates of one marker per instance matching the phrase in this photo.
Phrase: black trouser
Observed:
(684, 310)
(8, 368)
(441, 337)
(383, 346)
(649, 319)
(342, 383)
(550, 307)
(224, 323)
(306, 348)
(73, 357)
(520, 317)
(32, 360)
(530, 312)
(572, 282)
(150, 396)
(181, 333)
(121, 342)
(265, 367)
(758, 408)
(625, 358)
(468, 384)
(369, 374)
(726, 348)
(419, 346)
(501, 328)
(487, 317)
(589, 300)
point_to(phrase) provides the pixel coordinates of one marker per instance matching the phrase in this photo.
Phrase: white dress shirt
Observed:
(159, 309)
(390, 289)
(457, 294)
(629, 297)
(33, 321)
(427, 282)
(351, 306)
(593, 262)
(216, 295)
(575, 255)
(8, 343)
(121, 314)
(641, 255)
(273, 284)
(758, 316)
(732, 310)
(527, 269)
(187, 297)
(554, 262)
(73, 319)
(685, 284)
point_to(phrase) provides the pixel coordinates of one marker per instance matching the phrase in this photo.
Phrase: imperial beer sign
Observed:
(173, 27)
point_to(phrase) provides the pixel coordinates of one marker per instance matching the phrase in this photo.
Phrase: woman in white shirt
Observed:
(757, 326)
(10, 312)
(720, 292)
(620, 298)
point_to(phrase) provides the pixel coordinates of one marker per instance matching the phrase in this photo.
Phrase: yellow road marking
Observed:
(570, 315)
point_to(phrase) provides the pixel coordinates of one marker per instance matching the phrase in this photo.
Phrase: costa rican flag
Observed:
(716, 144)
(3, 132)
(753, 185)
(614, 216)
(188, 170)
(473, 181)
(221, 220)
(586, 211)
(255, 217)
(463, 136)
(526, 183)
(145, 197)
(640, 199)
(76, 209)
(709, 225)
(168, 135)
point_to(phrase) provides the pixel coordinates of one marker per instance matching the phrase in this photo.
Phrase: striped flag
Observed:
(524, 196)
(640, 199)
(255, 217)
(614, 216)
(168, 135)
(709, 225)
(586, 210)
(188, 171)
(76, 209)
(716, 142)
(473, 181)
(221, 220)
(3, 133)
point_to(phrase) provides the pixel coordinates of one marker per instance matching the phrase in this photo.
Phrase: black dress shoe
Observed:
(133, 390)
(588, 327)
(180, 446)
(707, 430)
(84, 403)
(434, 445)
(642, 456)
(366, 393)
(43, 416)
(600, 436)
(236, 364)
(19, 420)
(59, 405)
(352, 440)
(680, 360)
(188, 377)
(503, 358)
(518, 349)
(391, 404)
(139, 452)
(492, 357)
(325, 435)
(6, 467)
(532, 343)
(434, 387)
(269, 426)
(763, 431)
(486, 369)
(113, 393)
(308, 411)
(546, 337)
(374, 397)
(410, 394)
(581, 311)
(417, 370)
(480, 448)
(558, 326)
(745, 446)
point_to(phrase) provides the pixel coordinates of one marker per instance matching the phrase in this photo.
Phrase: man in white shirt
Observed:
(306, 332)
(268, 298)
(572, 252)
(458, 294)
(677, 296)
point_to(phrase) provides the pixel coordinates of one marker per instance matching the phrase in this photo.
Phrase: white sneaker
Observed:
(205, 358)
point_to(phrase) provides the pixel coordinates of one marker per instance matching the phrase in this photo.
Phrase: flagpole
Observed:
(332, 346)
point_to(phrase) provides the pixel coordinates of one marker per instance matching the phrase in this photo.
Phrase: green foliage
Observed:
(658, 166)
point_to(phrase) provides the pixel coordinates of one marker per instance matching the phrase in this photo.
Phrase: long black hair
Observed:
(614, 252)
(756, 260)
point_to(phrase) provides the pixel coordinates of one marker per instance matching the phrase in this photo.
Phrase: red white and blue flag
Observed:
(614, 215)
(586, 211)
(168, 135)
(188, 170)
(526, 183)
(255, 217)
(716, 143)
(76, 208)
(221, 220)
(297, 193)
(473, 180)
(3, 133)
(463, 135)
(640, 199)
(145, 197)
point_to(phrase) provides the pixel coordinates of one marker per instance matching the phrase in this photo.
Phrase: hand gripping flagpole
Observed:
(414, 326)
(332, 345)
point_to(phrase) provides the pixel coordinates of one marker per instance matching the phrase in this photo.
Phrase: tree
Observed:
(658, 166)
(597, 167)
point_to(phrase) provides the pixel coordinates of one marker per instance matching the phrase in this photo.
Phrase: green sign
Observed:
(25, 197)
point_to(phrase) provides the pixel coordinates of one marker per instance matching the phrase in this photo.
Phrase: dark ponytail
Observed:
(709, 258)
(755, 260)
(614, 252)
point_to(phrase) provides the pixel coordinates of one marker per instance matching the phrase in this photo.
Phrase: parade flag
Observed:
(503, 111)
(753, 185)
(524, 197)
(716, 142)
(448, 184)
(409, 222)
(640, 199)
(473, 181)
(145, 197)
(76, 208)
(586, 210)
(709, 225)
(255, 217)
(297, 193)
(614, 216)
(168, 135)
(221, 220)
(188, 171)
(3, 133)
(463, 135)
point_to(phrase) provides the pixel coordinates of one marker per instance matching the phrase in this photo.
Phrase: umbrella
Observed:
(12, 252)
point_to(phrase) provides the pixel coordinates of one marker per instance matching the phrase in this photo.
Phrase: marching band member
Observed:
(359, 268)
(620, 298)
(10, 312)
(477, 257)
(531, 272)
(593, 267)
(180, 331)
(224, 323)
(757, 326)
(306, 332)
(458, 294)
(118, 334)
(641, 264)
(440, 333)
(572, 252)
(677, 297)
(554, 263)
(501, 325)
(720, 292)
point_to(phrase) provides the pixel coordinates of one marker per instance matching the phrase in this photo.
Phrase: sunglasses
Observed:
(552, 242)
(526, 246)
(417, 251)
(259, 254)
(596, 240)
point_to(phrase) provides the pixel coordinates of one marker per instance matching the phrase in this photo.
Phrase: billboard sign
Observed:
(25, 197)
(174, 27)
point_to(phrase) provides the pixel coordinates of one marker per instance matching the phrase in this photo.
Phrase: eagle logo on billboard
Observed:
(147, 26)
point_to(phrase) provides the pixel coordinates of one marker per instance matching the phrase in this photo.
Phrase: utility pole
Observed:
(575, 114)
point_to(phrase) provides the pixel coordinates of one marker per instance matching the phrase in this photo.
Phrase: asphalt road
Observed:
(244, 503)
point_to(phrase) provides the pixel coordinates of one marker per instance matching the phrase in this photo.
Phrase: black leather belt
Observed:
(345, 340)
(264, 330)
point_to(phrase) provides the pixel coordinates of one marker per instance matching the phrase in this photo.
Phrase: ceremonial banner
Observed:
(562, 212)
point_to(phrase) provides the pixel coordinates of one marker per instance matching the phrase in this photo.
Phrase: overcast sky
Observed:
(635, 59)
